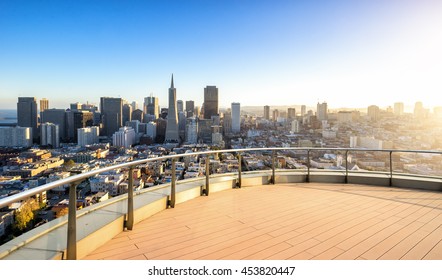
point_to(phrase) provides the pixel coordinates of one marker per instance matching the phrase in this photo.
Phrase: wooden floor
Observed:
(290, 221)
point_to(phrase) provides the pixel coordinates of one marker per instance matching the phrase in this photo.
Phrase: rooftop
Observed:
(290, 221)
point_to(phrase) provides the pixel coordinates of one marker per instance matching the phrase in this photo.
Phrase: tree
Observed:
(25, 215)
(68, 165)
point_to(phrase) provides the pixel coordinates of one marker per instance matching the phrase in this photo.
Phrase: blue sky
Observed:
(347, 53)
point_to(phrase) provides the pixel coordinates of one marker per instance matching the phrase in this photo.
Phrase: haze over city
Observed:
(348, 53)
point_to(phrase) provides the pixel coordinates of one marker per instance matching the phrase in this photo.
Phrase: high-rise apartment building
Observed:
(373, 112)
(44, 105)
(227, 122)
(112, 114)
(172, 117)
(210, 101)
(399, 108)
(267, 112)
(49, 134)
(88, 135)
(15, 137)
(236, 117)
(124, 137)
(190, 108)
(321, 111)
(303, 110)
(192, 131)
(27, 114)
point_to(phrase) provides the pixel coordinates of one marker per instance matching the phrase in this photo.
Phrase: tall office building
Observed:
(112, 114)
(27, 114)
(44, 105)
(58, 117)
(303, 110)
(180, 106)
(210, 101)
(138, 115)
(152, 106)
(399, 108)
(267, 112)
(127, 113)
(134, 105)
(190, 108)
(236, 117)
(321, 111)
(291, 113)
(15, 137)
(81, 119)
(88, 135)
(49, 134)
(172, 116)
(275, 115)
(227, 122)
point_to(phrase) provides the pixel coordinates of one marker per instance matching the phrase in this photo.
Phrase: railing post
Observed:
(173, 185)
(238, 184)
(130, 200)
(346, 166)
(308, 166)
(391, 168)
(206, 190)
(72, 222)
(273, 167)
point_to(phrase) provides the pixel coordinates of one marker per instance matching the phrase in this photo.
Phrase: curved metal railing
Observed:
(75, 180)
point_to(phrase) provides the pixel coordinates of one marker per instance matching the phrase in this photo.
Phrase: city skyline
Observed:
(346, 54)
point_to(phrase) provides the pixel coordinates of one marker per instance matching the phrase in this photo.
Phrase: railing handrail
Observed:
(82, 176)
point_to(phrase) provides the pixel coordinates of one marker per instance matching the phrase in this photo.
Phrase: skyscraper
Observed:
(180, 106)
(303, 110)
(56, 116)
(236, 117)
(152, 106)
(112, 114)
(190, 108)
(127, 113)
(321, 111)
(291, 113)
(44, 104)
(267, 112)
(210, 101)
(399, 108)
(27, 114)
(172, 117)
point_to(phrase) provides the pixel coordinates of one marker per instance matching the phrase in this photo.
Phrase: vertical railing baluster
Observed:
(239, 170)
(173, 184)
(130, 200)
(346, 166)
(391, 168)
(308, 166)
(273, 167)
(72, 222)
(206, 191)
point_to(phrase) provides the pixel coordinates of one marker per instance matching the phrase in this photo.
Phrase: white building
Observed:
(88, 135)
(107, 183)
(192, 131)
(50, 134)
(15, 136)
(295, 126)
(151, 130)
(366, 142)
(124, 137)
(236, 117)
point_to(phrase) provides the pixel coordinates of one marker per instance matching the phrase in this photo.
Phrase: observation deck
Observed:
(269, 214)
